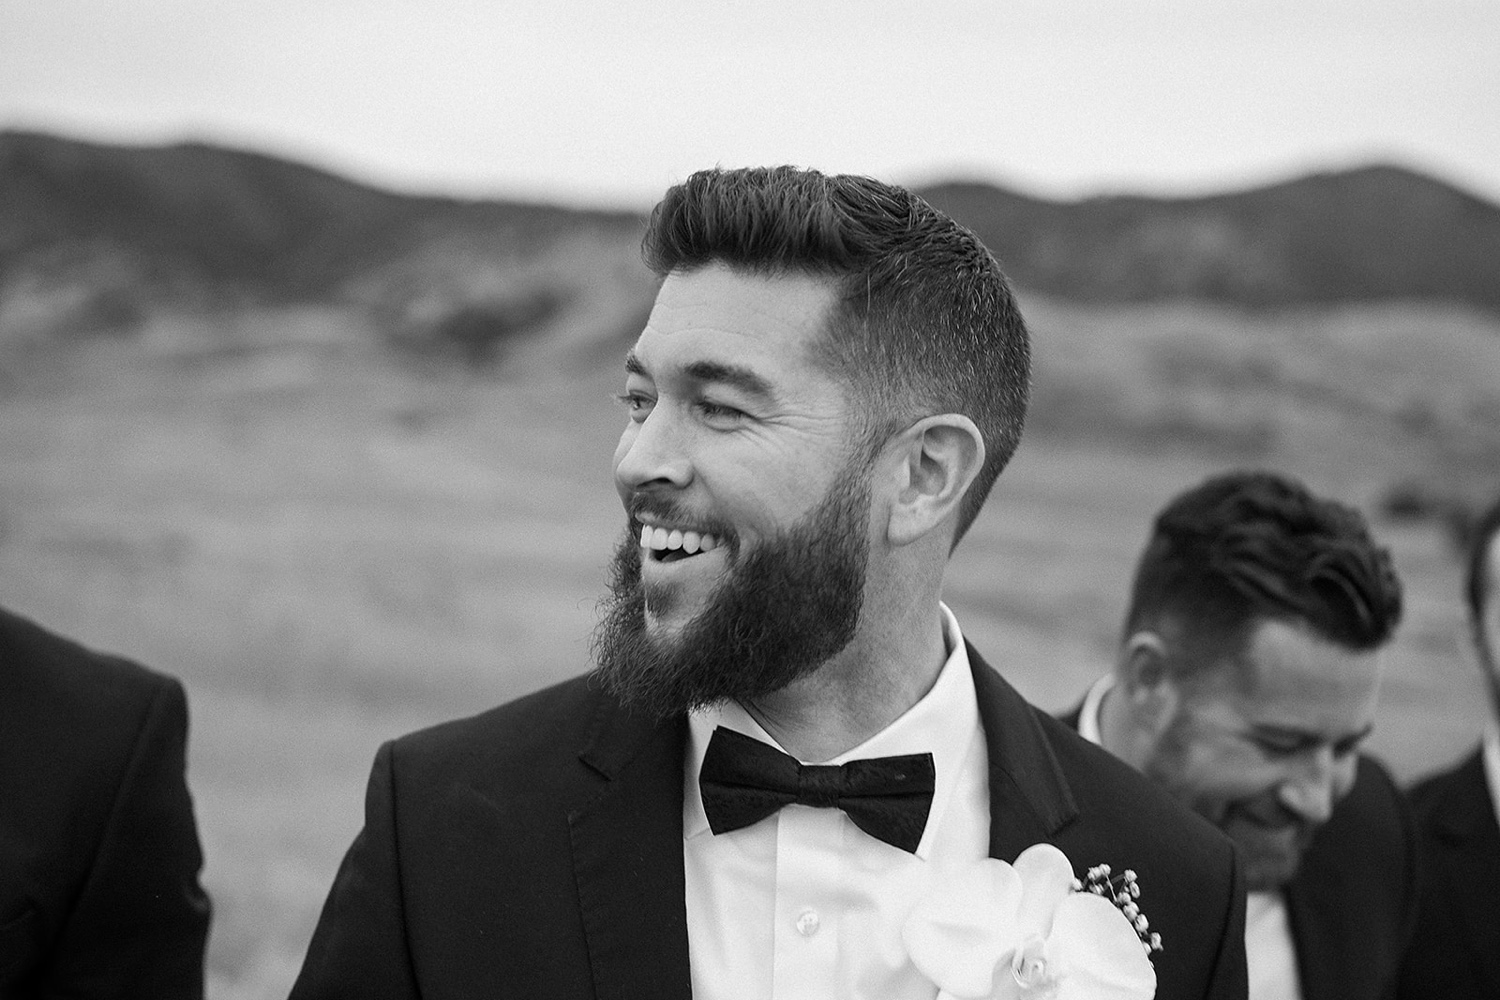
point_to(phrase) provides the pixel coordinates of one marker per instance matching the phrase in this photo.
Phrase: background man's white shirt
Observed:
(806, 904)
(1270, 951)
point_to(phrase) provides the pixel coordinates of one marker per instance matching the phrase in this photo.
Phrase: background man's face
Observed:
(1265, 748)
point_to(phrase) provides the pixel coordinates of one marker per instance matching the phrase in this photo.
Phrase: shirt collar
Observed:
(944, 723)
(1088, 715)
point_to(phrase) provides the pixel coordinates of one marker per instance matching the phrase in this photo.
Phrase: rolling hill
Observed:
(98, 237)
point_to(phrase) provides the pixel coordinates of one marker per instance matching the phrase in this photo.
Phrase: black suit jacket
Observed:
(1352, 903)
(536, 851)
(1456, 952)
(99, 855)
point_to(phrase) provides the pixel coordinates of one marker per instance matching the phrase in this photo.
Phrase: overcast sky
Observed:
(603, 102)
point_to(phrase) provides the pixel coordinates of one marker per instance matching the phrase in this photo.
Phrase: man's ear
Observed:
(934, 462)
(1146, 682)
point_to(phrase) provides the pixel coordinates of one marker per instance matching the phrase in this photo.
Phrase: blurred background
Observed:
(311, 313)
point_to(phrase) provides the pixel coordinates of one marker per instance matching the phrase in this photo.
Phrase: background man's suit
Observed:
(99, 855)
(536, 850)
(1456, 951)
(1352, 902)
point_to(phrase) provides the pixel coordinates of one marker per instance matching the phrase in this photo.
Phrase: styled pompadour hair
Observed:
(1248, 546)
(925, 322)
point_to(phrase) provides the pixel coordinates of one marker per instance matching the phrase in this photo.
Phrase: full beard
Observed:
(779, 614)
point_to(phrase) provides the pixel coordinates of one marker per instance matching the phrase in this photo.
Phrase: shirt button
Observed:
(807, 922)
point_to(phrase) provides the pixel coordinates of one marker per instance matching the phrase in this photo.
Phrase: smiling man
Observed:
(785, 744)
(1245, 683)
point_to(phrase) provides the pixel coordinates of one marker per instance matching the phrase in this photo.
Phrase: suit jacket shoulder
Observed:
(99, 892)
(1456, 950)
(1352, 902)
(1106, 812)
(532, 850)
(536, 849)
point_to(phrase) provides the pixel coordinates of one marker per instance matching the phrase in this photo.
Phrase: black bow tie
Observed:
(744, 780)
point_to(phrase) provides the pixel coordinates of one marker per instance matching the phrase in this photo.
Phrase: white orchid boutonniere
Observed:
(994, 931)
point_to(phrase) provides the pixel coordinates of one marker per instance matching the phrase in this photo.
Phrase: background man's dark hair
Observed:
(1245, 547)
(926, 322)
(1480, 583)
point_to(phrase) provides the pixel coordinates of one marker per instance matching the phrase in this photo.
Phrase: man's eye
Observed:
(719, 412)
(637, 404)
(1281, 747)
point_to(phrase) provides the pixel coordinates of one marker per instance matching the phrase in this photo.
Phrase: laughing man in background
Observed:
(1245, 684)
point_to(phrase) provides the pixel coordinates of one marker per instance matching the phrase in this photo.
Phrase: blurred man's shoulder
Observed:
(545, 730)
(1373, 814)
(42, 670)
(1128, 807)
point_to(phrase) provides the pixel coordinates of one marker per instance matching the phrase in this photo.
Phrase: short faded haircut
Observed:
(925, 322)
(1251, 546)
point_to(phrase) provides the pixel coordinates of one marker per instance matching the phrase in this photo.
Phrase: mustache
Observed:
(641, 504)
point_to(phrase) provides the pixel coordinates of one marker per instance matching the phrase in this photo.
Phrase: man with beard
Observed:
(1456, 952)
(1245, 684)
(786, 743)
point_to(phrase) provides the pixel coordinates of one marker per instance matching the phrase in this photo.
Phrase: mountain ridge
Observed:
(98, 236)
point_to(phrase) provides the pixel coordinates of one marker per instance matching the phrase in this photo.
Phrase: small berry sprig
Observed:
(1123, 891)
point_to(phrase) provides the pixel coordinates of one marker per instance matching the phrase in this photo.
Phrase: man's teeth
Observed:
(662, 540)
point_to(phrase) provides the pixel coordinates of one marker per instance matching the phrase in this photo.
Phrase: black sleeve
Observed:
(1231, 975)
(359, 949)
(141, 921)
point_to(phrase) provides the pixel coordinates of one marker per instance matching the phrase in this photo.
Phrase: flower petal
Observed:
(1047, 878)
(959, 932)
(1098, 953)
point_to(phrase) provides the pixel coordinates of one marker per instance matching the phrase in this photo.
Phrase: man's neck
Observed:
(871, 683)
(1118, 732)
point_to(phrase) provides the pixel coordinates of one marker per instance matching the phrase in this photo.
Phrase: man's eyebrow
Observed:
(737, 376)
(1307, 738)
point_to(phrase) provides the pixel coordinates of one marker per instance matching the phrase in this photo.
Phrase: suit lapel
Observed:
(627, 859)
(1319, 931)
(1029, 796)
(627, 842)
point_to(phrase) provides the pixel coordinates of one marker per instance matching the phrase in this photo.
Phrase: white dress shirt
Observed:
(1270, 951)
(804, 904)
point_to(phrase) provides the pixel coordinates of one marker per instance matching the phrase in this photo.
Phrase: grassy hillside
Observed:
(333, 541)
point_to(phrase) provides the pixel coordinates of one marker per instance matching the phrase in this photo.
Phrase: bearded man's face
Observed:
(779, 611)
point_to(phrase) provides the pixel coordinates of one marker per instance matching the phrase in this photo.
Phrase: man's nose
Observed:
(1322, 778)
(653, 452)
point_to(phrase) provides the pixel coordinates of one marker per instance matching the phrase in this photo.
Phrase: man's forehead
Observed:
(735, 301)
(714, 324)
